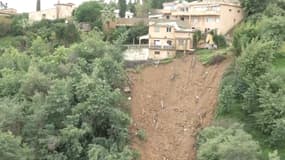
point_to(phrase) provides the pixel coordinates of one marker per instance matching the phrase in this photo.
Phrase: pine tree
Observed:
(123, 8)
(38, 5)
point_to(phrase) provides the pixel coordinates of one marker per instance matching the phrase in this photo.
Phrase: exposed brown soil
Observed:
(171, 102)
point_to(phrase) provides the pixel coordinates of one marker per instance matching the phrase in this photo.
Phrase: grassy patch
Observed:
(166, 61)
(206, 56)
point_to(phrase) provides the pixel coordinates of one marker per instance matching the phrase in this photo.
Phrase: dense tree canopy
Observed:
(217, 143)
(64, 103)
(89, 12)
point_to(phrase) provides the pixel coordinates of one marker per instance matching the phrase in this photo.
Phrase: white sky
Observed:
(30, 5)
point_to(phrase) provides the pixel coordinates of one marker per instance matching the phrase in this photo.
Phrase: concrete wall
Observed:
(136, 54)
(60, 12)
(230, 16)
(161, 54)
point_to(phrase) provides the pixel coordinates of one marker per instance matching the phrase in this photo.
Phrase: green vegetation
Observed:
(227, 144)
(61, 90)
(210, 57)
(252, 92)
(122, 8)
(141, 135)
(90, 12)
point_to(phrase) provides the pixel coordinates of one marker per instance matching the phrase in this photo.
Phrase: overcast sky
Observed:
(30, 5)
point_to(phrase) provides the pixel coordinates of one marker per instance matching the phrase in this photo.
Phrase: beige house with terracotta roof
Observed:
(168, 37)
(221, 15)
(172, 30)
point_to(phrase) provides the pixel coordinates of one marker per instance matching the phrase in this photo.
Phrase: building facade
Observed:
(8, 12)
(172, 30)
(61, 11)
(220, 15)
(166, 38)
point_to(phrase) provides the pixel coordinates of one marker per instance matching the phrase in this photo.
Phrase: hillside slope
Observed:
(171, 103)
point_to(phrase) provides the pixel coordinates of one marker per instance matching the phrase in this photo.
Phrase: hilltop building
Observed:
(171, 30)
(5, 10)
(61, 11)
(168, 37)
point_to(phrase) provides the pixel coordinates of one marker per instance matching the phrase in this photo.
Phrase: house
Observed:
(7, 12)
(128, 14)
(171, 30)
(219, 15)
(61, 11)
(167, 37)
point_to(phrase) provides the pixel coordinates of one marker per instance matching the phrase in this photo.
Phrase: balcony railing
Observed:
(162, 47)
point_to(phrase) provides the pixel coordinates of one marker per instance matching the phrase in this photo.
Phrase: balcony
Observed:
(205, 13)
(162, 47)
(196, 13)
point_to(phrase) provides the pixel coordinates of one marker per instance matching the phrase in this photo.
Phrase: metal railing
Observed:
(136, 46)
(162, 47)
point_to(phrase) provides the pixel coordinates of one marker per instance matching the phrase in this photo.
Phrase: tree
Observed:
(11, 148)
(109, 70)
(254, 6)
(123, 8)
(89, 12)
(221, 143)
(142, 10)
(40, 47)
(38, 5)
(226, 100)
(274, 155)
(19, 24)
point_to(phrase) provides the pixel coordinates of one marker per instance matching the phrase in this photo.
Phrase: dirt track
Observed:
(171, 103)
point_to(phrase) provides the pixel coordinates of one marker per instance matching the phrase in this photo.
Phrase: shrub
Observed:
(216, 59)
(220, 41)
(141, 135)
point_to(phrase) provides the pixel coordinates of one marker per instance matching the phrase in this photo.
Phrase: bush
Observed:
(220, 41)
(196, 38)
(216, 59)
(218, 143)
(226, 100)
(141, 135)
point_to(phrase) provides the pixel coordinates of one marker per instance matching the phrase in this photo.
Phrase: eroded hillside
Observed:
(171, 103)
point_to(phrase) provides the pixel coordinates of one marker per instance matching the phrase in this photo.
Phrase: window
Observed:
(167, 17)
(238, 11)
(168, 29)
(230, 10)
(44, 16)
(182, 18)
(157, 42)
(156, 29)
(210, 19)
(169, 42)
(157, 52)
(217, 20)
